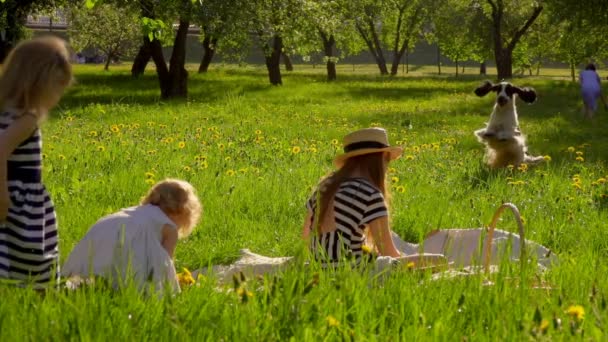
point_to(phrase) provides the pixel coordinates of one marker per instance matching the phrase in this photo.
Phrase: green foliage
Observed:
(111, 31)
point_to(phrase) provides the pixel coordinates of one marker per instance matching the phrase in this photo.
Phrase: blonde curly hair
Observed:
(176, 197)
(34, 71)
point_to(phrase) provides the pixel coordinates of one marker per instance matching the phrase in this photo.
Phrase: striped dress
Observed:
(357, 202)
(28, 236)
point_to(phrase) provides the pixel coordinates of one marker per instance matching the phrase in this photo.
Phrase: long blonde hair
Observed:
(33, 71)
(370, 164)
(174, 196)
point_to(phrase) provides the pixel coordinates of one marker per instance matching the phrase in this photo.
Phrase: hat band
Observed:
(362, 145)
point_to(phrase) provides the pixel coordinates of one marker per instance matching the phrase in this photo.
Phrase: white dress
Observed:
(126, 247)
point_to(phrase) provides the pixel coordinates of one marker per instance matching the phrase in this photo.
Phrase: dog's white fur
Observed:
(505, 144)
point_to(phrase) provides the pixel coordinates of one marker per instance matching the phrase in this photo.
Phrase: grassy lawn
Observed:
(254, 152)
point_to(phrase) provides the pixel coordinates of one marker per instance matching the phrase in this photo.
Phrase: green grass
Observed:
(239, 135)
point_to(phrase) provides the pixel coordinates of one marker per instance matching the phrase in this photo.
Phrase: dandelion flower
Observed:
(230, 173)
(579, 153)
(395, 179)
(258, 132)
(181, 144)
(410, 265)
(409, 157)
(101, 148)
(334, 142)
(543, 326)
(187, 168)
(149, 175)
(221, 146)
(185, 277)
(151, 152)
(580, 159)
(115, 129)
(400, 189)
(366, 249)
(547, 158)
(295, 149)
(576, 311)
(577, 185)
(332, 321)
(150, 181)
(601, 180)
(61, 157)
(93, 133)
(571, 149)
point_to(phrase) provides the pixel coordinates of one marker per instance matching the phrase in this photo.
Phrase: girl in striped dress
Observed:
(348, 213)
(34, 77)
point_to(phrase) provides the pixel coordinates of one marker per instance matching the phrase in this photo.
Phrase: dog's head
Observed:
(505, 92)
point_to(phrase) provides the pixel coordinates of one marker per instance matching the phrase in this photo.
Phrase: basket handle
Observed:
(487, 248)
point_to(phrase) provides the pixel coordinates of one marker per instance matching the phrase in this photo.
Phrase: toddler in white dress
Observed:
(137, 244)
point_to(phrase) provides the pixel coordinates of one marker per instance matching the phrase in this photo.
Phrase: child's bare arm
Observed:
(16, 133)
(169, 239)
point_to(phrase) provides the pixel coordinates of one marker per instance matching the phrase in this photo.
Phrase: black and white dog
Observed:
(505, 144)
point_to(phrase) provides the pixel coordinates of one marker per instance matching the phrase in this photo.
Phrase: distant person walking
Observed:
(591, 90)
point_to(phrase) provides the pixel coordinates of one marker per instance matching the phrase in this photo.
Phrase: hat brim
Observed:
(395, 152)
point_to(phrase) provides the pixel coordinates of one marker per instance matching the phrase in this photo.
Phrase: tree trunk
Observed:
(438, 59)
(329, 45)
(397, 58)
(178, 76)
(504, 63)
(456, 68)
(287, 62)
(463, 68)
(407, 61)
(373, 44)
(273, 61)
(141, 59)
(482, 68)
(209, 45)
(538, 69)
(106, 67)
(572, 72)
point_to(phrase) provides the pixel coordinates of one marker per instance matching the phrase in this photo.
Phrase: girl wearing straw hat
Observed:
(348, 211)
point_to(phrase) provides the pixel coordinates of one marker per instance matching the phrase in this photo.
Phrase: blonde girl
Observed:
(34, 77)
(137, 244)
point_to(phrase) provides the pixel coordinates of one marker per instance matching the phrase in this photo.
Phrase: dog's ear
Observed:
(526, 94)
(484, 88)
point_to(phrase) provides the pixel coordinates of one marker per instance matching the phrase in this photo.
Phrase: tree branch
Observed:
(519, 33)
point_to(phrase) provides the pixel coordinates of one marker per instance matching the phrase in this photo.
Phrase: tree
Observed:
(580, 42)
(510, 21)
(221, 23)
(106, 29)
(403, 20)
(13, 16)
(367, 17)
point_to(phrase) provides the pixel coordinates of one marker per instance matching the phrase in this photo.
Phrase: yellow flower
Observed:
(295, 149)
(400, 189)
(149, 175)
(523, 167)
(334, 142)
(410, 265)
(332, 321)
(150, 181)
(580, 159)
(416, 149)
(547, 158)
(230, 173)
(115, 129)
(227, 158)
(93, 133)
(243, 170)
(391, 170)
(543, 326)
(601, 180)
(409, 157)
(101, 148)
(151, 152)
(571, 149)
(577, 185)
(221, 146)
(258, 132)
(61, 157)
(185, 277)
(181, 144)
(395, 179)
(187, 168)
(579, 153)
(366, 249)
(577, 312)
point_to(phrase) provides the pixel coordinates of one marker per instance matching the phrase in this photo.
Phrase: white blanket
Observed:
(462, 248)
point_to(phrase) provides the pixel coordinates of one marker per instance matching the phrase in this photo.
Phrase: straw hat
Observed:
(366, 141)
